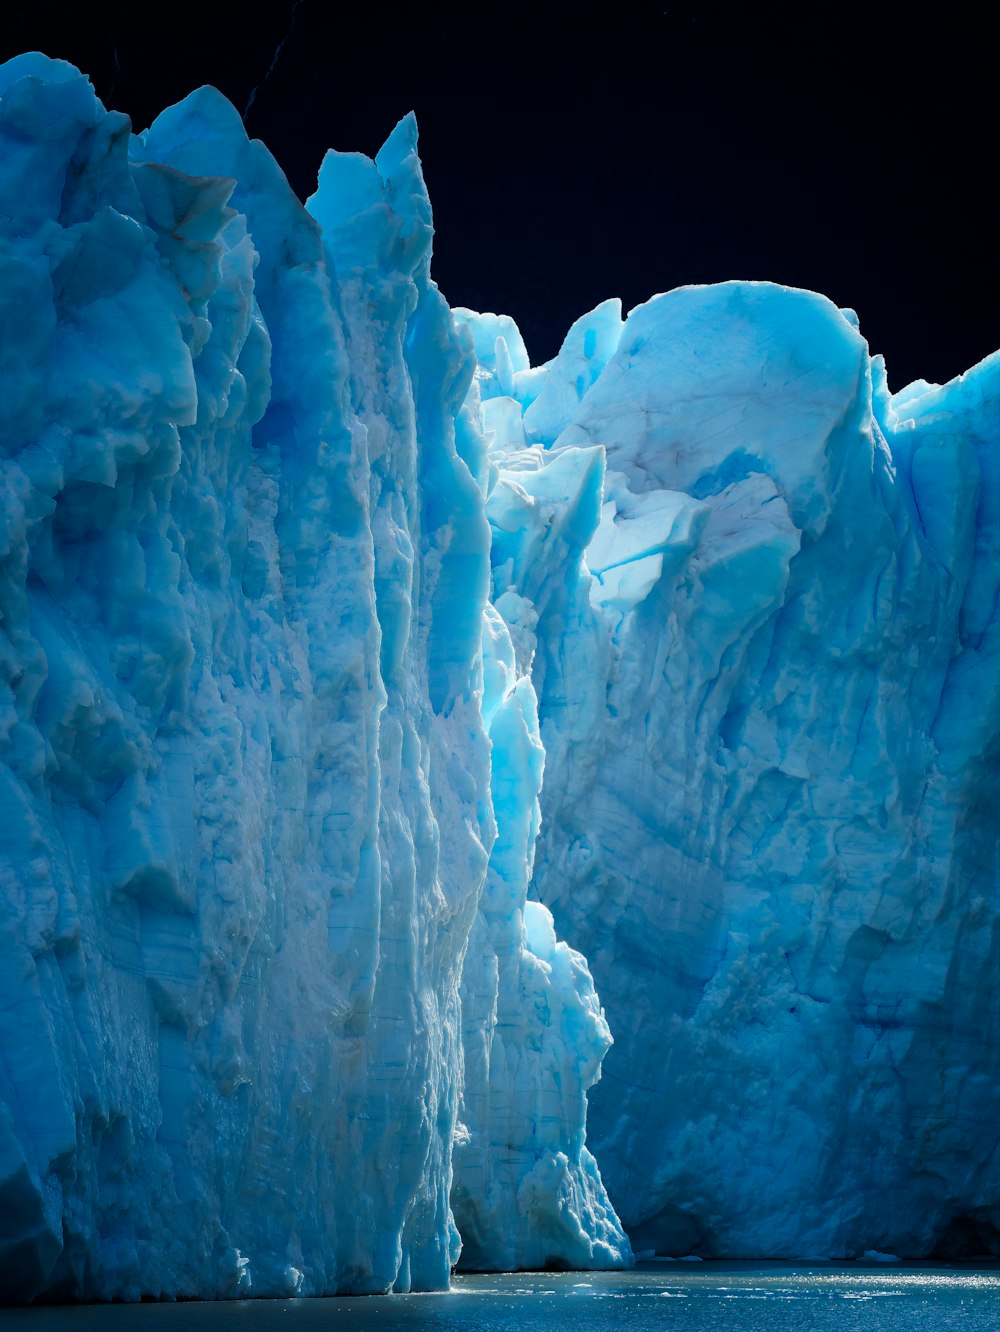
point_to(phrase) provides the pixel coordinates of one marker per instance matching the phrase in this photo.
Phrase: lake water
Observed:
(687, 1296)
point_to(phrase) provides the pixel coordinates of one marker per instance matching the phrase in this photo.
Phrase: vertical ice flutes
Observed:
(246, 784)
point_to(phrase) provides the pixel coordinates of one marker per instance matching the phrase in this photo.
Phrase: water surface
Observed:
(687, 1296)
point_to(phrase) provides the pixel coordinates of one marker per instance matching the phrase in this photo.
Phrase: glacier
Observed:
(388, 723)
(247, 818)
(758, 598)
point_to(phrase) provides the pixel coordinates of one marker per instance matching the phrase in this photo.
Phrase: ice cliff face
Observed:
(758, 599)
(527, 1192)
(331, 633)
(248, 817)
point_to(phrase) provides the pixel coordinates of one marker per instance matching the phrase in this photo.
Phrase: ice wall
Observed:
(765, 650)
(276, 779)
(246, 815)
(527, 1193)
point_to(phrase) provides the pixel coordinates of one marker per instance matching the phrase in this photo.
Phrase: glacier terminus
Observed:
(455, 812)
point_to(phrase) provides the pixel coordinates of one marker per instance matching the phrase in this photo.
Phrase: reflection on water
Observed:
(690, 1297)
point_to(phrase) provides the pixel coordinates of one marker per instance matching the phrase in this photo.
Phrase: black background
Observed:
(577, 154)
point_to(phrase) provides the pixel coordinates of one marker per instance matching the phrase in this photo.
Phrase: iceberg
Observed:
(248, 818)
(757, 595)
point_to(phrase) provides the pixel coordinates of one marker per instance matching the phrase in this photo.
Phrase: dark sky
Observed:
(570, 158)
